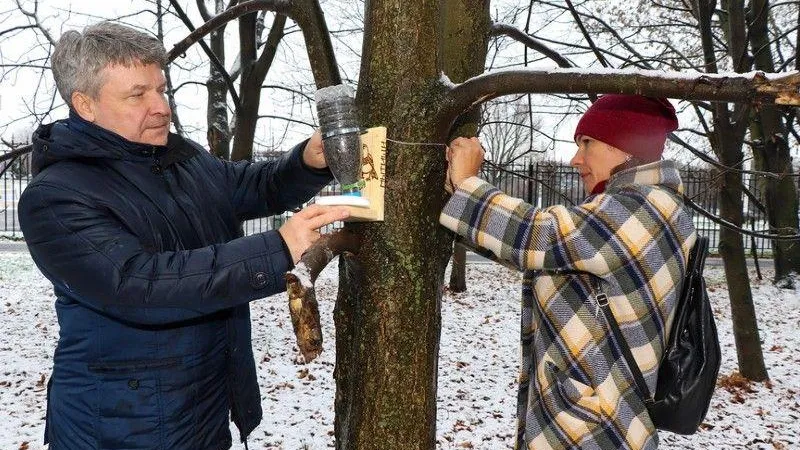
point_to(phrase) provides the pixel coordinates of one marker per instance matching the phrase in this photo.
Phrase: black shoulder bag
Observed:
(689, 366)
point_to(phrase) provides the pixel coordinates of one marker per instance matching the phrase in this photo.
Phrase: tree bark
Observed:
(727, 141)
(388, 309)
(772, 154)
(254, 70)
(218, 133)
(458, 269)
(732, 251)
(465, 39)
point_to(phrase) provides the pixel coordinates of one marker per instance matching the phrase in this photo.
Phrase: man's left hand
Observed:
(312, 154)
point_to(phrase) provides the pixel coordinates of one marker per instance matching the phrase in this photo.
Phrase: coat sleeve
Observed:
(587, 237)
(271, 187)
(93, 259)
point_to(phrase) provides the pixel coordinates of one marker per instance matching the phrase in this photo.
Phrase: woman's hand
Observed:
(464, 157)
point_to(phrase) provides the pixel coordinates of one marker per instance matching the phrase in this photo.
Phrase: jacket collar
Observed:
(109, 139)
(663, 173)
(75, 138)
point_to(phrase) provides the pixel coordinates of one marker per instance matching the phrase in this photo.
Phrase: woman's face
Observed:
(595, 160)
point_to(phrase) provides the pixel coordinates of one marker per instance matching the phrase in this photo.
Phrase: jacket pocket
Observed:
(139, 365)
(568, 395)
(128, 409)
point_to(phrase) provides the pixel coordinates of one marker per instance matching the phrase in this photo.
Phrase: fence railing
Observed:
(541, 184)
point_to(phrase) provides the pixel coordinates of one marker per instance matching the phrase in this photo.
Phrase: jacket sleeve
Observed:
(92, 258)
(272, 187)
(589, 237)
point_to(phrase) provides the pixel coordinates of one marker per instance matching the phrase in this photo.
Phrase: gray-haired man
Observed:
(139, 230)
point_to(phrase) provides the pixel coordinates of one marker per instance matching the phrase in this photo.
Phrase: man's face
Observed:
(131, 103)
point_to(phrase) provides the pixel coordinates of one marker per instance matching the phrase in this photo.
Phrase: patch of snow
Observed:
(478, 363)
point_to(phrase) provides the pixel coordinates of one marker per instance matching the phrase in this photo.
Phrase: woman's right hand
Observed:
(464, 156)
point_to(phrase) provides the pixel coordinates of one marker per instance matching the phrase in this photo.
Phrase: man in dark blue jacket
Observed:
(140, 232)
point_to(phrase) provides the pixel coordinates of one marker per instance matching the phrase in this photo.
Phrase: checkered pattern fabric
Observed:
(576, 391)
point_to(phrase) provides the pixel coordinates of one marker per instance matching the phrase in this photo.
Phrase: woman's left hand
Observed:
(464, 156)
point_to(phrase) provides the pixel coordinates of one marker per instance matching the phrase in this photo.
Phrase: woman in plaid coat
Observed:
(632, 233)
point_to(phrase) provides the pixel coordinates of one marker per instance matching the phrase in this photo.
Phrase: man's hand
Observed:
(464, 157)
(312, 154)
(300, 231)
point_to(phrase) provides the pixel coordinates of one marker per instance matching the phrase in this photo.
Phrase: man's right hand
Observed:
(300, 231)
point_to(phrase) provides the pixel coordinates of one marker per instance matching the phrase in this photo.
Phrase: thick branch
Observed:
(755, 87)
(303, 306)
(264, 61)
(279, 6)
(308, 14)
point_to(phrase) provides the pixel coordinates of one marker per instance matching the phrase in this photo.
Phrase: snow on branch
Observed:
(753, 87)
(303, 306)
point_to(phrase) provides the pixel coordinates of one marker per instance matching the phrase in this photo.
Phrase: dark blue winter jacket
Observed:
(152, 276)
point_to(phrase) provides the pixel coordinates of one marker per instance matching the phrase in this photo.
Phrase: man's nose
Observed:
(160, 105)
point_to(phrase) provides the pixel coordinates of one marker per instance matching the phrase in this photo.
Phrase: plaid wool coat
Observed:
(576, 391)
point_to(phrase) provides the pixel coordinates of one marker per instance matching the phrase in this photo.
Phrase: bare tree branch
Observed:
(586, 35)
(211, 56)
(755, 87)
(270, 47)
(500, 29)
(204, 12)
(16, 152)
(37, 23)
(13, 29)
(308, 16)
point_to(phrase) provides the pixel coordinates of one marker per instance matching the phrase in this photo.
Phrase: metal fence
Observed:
(544, 184)
(541, 184)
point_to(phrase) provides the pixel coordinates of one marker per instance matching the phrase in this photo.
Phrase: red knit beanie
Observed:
(635, 124)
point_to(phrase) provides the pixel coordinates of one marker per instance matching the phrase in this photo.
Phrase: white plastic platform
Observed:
(343, 200)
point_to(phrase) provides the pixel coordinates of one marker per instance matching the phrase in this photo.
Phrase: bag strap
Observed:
(613, 326)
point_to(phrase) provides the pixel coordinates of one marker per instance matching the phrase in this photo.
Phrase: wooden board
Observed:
(373, 170)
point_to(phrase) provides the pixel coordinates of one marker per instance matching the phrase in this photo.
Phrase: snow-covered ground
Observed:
(477, 372)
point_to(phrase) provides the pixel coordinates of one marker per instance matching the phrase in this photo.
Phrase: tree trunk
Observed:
(465, 37)
(727, 141)
(254, 70)
(458, 269)
(772, 154)
(732, 251)
(218, 134)
(388, 310)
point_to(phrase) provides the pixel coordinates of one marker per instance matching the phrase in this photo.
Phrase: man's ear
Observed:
(83, 105)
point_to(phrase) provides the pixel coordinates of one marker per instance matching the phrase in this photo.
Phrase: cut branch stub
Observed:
(303, 306)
